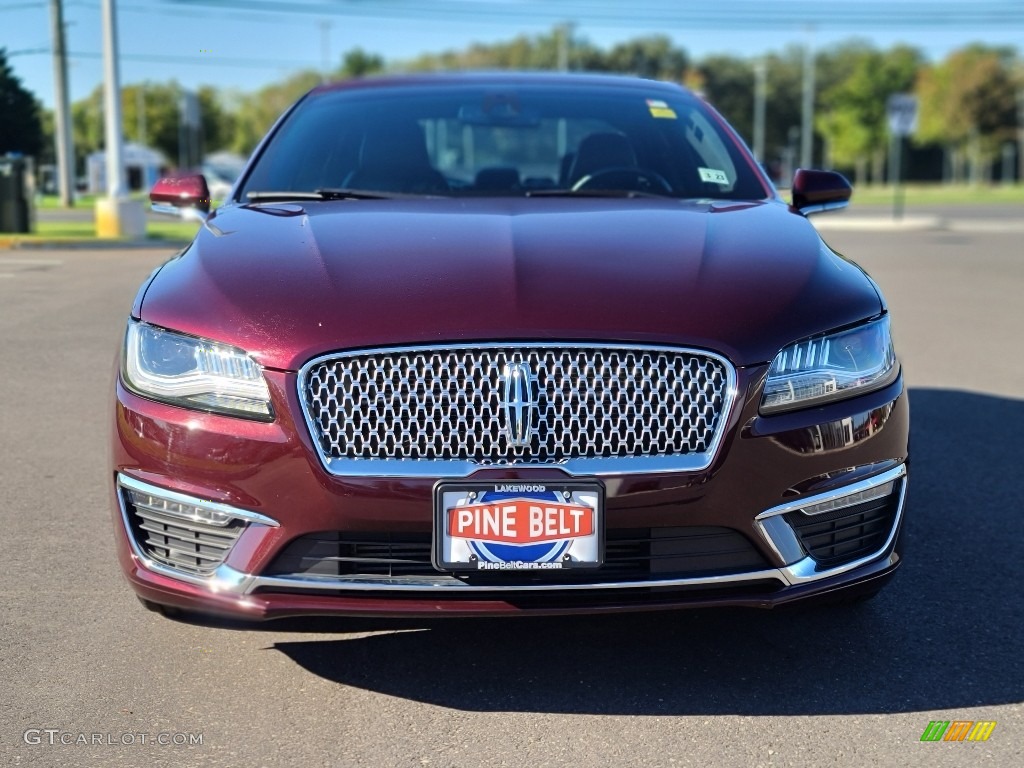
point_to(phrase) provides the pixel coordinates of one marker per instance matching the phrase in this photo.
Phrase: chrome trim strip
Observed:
(448, 583)
(188, 213)
(223, 579)
(782, 539)
(228, 580)
(245, 515)
(801, 568)
(852, 500)
(861, 485)
(809, 210)
(804, 571)
(427, 468)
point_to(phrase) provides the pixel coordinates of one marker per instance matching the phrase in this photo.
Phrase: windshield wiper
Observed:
(319, 194)
(622, 193)
(345, 193)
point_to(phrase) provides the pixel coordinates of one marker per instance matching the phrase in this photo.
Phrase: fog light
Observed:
(193, 509)
(878, 492)
(191, 512)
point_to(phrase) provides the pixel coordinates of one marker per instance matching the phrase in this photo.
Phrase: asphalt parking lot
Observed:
(849, 686)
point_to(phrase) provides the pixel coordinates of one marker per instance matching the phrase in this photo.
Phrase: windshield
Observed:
(458, 140)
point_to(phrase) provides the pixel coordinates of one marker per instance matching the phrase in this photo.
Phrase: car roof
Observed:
(502, 78)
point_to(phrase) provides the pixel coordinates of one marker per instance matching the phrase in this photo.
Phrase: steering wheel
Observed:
(629, 177)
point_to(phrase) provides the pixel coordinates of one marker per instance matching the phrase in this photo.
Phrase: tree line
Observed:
(971, 102)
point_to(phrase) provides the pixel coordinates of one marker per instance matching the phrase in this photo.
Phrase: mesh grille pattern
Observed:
(448, 404)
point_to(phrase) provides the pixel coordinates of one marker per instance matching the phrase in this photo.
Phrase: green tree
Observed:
(727, 83)
(160, 104)
(217, 124)
(255, 113)
(359, 63)
(654, 57)
(21, 129)
(159, 126)
(968, 104)
(48, 148)
(522, 53)
(852, 117)
(87, 126)
(784, 106)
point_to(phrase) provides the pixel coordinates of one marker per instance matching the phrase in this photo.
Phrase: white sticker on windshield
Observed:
(713, 175)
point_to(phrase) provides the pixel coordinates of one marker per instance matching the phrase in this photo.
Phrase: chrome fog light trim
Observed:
(215, 527)
(780, 536)
(837, 494)
(192, 508)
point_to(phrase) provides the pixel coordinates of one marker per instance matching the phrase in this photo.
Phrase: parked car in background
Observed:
(221, 170)
(500, 344)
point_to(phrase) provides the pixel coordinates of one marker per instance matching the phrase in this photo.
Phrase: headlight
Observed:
(193, 373)
(832, 367)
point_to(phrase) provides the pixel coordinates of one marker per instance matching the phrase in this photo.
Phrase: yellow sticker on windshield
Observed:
(659, 108)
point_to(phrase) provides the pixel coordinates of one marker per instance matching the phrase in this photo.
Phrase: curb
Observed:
(880, 223)
(18, 244)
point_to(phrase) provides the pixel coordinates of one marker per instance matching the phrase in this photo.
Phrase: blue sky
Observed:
(227, 44)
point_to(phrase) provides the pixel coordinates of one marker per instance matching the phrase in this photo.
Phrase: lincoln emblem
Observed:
(517, 404)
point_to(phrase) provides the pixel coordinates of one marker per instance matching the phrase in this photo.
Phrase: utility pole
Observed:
(897, 176)
(325, 49)
(62, 111)
(112, 104)
(807, 127)
(183, 143)
(189, 124)
(901, 115)
(1020, 133)
(140, 114)
(116, 215)
(565, 30)
(760, 99)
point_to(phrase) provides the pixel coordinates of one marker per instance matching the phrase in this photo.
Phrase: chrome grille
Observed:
(451, 404)
(167, 534)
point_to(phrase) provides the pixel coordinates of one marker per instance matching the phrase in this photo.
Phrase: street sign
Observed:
(188, 109)
(901, 111)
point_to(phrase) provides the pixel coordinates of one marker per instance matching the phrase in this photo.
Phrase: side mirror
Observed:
(186, 196)
(817, 191)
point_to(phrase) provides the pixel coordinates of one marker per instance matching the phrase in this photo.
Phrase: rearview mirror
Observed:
(181, 196)
(817, 191)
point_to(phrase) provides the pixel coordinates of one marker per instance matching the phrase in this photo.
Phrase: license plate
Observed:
(518, 526)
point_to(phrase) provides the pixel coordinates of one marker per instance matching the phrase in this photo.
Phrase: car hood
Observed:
(287, 282)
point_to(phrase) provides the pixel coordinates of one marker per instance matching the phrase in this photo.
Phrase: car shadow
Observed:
(945, 634)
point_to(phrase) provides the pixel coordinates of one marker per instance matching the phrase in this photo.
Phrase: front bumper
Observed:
(266, 480)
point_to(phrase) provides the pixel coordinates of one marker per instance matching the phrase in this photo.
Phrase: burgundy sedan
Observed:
(505, 344)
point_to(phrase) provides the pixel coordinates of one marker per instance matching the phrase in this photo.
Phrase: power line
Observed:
(738, 14)
(202, 60)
